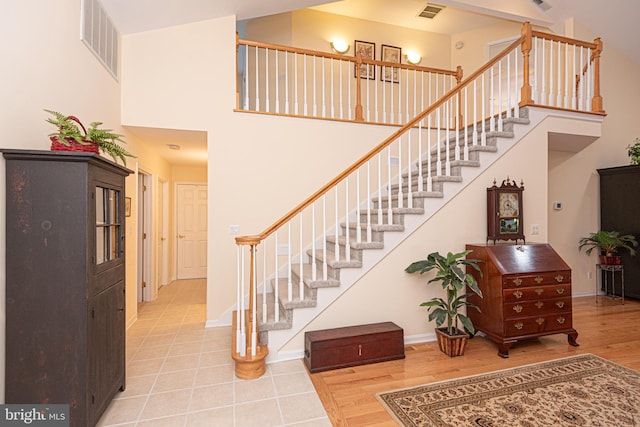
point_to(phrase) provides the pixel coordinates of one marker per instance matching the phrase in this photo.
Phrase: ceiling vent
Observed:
(542, 5)
(431, 10)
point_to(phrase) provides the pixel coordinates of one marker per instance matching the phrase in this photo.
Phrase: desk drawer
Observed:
(538, 279)
(536, 293)
(537, 324)
(538, 307)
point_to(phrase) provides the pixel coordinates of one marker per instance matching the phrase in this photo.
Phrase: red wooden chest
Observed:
(353, 345)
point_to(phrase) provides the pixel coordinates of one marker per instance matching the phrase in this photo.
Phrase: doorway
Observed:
(191, 231)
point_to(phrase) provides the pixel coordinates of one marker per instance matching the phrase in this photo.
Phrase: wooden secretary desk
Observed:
(526, 293)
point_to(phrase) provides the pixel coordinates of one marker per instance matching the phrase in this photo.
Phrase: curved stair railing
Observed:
(306, 248)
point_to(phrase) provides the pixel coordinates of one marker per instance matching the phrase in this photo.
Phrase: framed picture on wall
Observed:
(368, 51)
(390, 54)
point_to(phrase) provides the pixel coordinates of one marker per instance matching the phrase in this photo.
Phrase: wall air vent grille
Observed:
(542, 5)
(100, 35)
(431, 10)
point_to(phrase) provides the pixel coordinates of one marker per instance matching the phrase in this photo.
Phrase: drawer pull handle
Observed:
(560, 291)
(517, 308)
(559, 278)
(517, 281)
(538, 279)
(518, 325)
(539, 291)
(561, 320)
(539, 320)
(359, 349)
(560, 304)
(539, 304)
(517, 294)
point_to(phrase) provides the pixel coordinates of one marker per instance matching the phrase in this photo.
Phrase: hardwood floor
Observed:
(606, 329)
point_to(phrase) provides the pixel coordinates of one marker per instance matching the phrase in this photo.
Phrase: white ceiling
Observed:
(615, 22)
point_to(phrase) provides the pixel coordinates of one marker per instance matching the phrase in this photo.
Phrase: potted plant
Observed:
(68, 137)
(633, 151)
(454, 280)
(608, 244)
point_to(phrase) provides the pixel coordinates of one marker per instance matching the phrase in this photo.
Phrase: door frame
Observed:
(163, 239)
(145, 245)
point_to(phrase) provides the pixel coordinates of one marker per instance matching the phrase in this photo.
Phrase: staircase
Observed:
(434, 161)
(343, 273)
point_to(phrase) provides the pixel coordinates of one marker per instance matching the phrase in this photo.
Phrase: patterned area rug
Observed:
(584, 390)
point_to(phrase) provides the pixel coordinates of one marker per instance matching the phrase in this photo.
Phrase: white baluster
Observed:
(390, 200)
(266, 81)
(492, 101)
(420, 160)
(476, 137)
(429, 154)
(254, 321)
(333, 106)
(289, 265)
(300, 265)
(400, 192)
(500, 124)
(483, 124)
(295, 89)
(336, 244)
(276, 309)
(380, 189)
(347, 247)
(257, 82)
(536, 95)
(241, 309)
(369, 201)
(277, 83)
(304, 84)
(314, 267)
(516, 104)
(409, 168)
(447, 160)
(509, 100)
(559, 85)
(246, 78)
(551, 74)
(543, 88)
(239, 284)
(315, 91)
(340, 94)
(324, 237)
(464, 123)
(438, 155)
(286, 82)
(264, 282)
(574, 82)
(581, 100)
(324, 105)
(358, 212)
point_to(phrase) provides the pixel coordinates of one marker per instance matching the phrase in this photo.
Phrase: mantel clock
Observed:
(504, 211)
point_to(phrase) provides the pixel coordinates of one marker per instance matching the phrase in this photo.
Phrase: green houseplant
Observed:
(608, 243)
(454, 280)
(633, 151)
(68, 137)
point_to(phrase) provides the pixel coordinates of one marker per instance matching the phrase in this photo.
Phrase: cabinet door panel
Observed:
(106, 346)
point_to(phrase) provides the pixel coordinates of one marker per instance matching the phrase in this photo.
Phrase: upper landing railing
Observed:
(537, 69)
(274, 79)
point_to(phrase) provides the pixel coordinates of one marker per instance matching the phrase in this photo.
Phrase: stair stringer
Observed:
(277, 339)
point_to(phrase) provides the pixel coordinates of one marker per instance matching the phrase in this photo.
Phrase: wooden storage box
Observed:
(352, 346)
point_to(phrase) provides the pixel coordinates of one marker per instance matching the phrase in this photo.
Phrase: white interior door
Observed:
(191, 218)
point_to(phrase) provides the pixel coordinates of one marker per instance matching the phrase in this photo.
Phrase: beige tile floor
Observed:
(180, 373)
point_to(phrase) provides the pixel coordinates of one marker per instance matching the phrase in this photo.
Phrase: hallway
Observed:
(181, 374)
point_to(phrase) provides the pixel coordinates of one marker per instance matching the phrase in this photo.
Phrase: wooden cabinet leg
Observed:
(503, 349)
(572, 337)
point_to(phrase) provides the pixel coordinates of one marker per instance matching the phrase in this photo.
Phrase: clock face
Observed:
(509, 205)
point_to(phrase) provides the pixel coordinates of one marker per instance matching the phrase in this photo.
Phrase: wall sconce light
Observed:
(340, 46)
(413, 58)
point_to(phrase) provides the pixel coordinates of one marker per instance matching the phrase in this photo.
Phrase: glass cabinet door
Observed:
(108, 223)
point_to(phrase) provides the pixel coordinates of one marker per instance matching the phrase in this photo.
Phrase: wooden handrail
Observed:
(328, 186)
(562, 39)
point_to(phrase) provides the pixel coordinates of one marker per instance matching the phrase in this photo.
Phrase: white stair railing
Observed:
(284, 80)
(351, 209)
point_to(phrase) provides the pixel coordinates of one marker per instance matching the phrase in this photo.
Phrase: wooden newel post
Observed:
(526, 97)
(359, 116)
(596, 102)
(458, 81)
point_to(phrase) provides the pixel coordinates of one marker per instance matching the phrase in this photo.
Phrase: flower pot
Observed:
(74, 145)
(452, 345)
(610, 259)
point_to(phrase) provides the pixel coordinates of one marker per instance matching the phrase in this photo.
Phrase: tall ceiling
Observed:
(615, 22)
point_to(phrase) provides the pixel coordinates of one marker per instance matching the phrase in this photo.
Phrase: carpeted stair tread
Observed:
(307, 277)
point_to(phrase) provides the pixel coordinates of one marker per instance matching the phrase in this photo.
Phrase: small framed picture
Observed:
(127, 206)
(368, 51)
(391, 54)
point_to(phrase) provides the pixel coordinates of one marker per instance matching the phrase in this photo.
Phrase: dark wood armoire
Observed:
(65, 281)
(619, 211)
